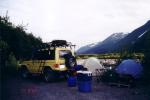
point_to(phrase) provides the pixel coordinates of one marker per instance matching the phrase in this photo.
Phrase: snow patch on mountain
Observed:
(93, 44)
(142, 34)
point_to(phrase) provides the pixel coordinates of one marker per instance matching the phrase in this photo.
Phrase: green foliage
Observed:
(12, 61)
(3, 53)
(19, 41)
(3, 45)
(11, 64)
(121, 55)
(15, 44)
(146, 44)
(143, 45)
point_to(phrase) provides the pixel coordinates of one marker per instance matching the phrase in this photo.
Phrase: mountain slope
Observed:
(143, 43)
(135, 35)
(86, 48)
(118, 41)
(103, 46)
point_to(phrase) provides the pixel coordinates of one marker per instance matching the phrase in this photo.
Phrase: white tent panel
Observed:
(92, 64)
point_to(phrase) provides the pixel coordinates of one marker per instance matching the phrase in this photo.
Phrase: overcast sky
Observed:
(78, 21)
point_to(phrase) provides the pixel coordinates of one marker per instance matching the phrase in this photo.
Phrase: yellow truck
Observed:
(51, 60)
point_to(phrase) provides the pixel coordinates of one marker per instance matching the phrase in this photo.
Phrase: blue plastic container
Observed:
(85, 86)
(84, 77)
(84, 81)
(72, 81)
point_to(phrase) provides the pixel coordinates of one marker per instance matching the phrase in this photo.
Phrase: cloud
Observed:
(79, 21)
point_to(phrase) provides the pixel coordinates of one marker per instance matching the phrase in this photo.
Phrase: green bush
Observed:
(11, 65)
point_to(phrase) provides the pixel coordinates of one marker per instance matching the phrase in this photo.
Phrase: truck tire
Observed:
(48, 75)
(24, 73)
(70, 62)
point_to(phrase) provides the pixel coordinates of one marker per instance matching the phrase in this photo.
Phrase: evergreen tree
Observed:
(15, 42)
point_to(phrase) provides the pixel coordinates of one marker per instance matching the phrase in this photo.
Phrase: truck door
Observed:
(35, 62)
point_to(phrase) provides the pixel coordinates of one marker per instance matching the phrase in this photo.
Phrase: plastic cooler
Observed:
(84, 81)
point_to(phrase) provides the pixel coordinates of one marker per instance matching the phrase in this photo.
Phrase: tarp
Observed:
(92, 64)
(130, 67)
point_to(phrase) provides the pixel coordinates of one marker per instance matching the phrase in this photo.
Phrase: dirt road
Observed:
(36, 89)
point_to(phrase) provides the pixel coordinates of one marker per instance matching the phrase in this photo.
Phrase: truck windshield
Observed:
(64, 52)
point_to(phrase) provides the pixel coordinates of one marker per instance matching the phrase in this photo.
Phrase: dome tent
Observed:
(130, 67)
(92, 64)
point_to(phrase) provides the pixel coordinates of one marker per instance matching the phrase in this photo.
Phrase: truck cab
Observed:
(49, 60)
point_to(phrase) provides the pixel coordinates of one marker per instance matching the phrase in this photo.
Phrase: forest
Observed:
(15, 43)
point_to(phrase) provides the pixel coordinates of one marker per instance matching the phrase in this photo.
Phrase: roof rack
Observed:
(57, 43)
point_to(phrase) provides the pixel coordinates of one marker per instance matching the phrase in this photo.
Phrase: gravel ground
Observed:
(36, 89)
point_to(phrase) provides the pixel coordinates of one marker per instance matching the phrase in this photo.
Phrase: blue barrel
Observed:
(85, 86)
(84, 81)
(72, 81)
(84, 77)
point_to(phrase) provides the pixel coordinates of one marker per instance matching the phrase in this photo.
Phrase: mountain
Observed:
(142, 44)
(133, 37)
(86, 47)
(108, 43)
(103, 46)
(118, 41)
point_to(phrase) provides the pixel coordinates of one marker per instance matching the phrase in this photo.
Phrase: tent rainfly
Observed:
(92, 64)
(130, 67)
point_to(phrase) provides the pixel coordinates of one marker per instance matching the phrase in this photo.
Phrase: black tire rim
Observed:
(46, 76)
(72, 62)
